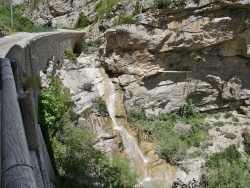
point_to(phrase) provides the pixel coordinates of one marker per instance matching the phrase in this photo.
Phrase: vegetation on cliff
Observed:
(20, 22)
(173, 133)
(77, 162)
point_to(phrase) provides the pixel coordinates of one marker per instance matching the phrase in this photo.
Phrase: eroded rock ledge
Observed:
(211, 40)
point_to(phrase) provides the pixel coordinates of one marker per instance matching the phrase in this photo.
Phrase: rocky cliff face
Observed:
(210, 39)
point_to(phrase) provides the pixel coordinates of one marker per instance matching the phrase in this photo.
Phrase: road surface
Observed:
(7, 42)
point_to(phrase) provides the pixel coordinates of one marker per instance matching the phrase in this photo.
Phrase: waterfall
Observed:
(134, 154)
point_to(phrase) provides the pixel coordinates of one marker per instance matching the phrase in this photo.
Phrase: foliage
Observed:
(77, 161)
(217, 116)
(197, 57)
(228, 115)
(226, 169)
(161, 4)
(218, 123)
(189, 109)
(247, 22)
(230, 136)
(172, 144)
(235, 119)
(137, 9)
(32, 81)
(125, 20)
(104, 7)
(54, 107)
(70, 55)
(87, 86)
(82, 21)
(100, 105)
(246, 142)
(20, 23)
(89, 45)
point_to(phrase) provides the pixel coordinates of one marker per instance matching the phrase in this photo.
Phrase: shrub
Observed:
(230, 136)
(125, 20)
(77, 161)
(228, 115)
(100, 105)
(219, 124)
(172, 144)
(104, 7)
(70, 55)
(82, 21)
(190, 109)
(87, 86)
(90, 45)
(235, 119)
(137, 9)
(226, 169)
(217, 116)
(32, 82)
(247, 22)
(161, 4)
(20, 23)
(246, 142)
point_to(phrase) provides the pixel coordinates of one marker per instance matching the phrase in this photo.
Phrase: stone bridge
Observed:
(25, 160)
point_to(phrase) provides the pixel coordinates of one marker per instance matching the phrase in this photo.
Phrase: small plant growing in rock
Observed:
(246, 142)
(161, 4)
(32, 81)
(219, 124)
(217, 116)
(197, 57)
(230, 136)
(247, 22)
(82, 21)
(190, 109)
(235, 119)
(87, 86)
(126, 20)
(100, 105)
(70, 55)
(228, 115)
(90, 45)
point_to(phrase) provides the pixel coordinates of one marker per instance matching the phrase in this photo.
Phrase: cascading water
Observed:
(135, 156)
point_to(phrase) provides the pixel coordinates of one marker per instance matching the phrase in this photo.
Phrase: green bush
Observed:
(189, 109)
(20, 23)
(161, 4)
(217, 116)
(230, 136)
(226, 169)
(126, 20)
(247, 22)
(137, 9)
(82, 21)
(218, 123)
(228, 115)
(76, 161)
(70, 55)
(100, 105)
(246, 142)
(172, 144)
(235, 119)
(104, 7)
(32, 81)
(90, 45)
(87, 86)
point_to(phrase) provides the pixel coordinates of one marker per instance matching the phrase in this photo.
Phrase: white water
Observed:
(134, 154)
